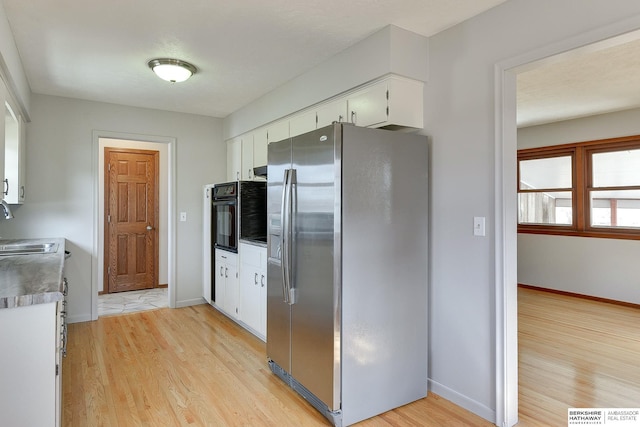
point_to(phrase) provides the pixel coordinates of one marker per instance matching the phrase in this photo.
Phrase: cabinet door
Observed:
(22, 160)
(234, 159)
(335, 111)
(262, 301)
(220, 284)
(369, 106)
(3, 104)
(405, 102)
(250, 296)
(11, 155)
(278, 131)
(14, 157)
(231, 289)
(260, 148)
(208, 264)
(302, 123)
(247, 158)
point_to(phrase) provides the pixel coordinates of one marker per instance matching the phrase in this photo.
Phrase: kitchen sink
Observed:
(28, 248)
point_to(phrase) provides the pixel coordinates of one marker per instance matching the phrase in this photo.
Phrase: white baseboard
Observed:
(190, 302)
(462, 401)
(77, 318)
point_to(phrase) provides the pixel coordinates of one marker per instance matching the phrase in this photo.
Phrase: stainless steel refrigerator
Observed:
(347, 269)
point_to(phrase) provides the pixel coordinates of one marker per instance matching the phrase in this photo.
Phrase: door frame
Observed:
(505, 149)
(98, 214)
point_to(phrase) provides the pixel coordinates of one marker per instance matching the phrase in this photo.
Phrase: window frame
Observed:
(582, 186)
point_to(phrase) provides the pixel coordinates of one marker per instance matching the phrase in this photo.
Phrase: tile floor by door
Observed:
(132, 301)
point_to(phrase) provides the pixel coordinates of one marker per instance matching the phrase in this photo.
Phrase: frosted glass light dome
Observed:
(172, 70)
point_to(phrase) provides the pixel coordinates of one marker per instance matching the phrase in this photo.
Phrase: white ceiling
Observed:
(595, 80)
(98, 50)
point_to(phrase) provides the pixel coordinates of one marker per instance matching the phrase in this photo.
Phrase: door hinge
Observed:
(387, 94)
(109, 165)
(109, 219)
(387, 111)
(57, 369)
(108, 271)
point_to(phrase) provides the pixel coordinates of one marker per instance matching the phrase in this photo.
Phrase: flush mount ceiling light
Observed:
(172, 70)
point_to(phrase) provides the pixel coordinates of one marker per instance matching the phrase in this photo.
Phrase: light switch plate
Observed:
(478, 226)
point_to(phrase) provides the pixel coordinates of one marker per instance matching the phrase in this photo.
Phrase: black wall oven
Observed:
(224, 216)
(239, 212)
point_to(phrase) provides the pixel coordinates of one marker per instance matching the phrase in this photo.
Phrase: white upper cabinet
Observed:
(247, 157)
(253, 153)
(323, 115)
(392, 101)
(234, 159)
(14, 157)
(260, 148)
(3, 103)
(334, 111)
(369, 106)
(303, 123)
(278, 131)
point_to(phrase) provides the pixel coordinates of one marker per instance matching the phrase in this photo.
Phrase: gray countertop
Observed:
(31, 279)
(254, 242)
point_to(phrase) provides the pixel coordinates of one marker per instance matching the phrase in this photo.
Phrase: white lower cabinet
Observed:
(227, 282)
(31, 365)
(253, 288)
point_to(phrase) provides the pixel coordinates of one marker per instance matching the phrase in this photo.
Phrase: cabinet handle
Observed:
(22, 191)
(340, 118)
(262, 280)
(255, 278)
(6, 182)
(354, 117)
(221, 271)
(237, 176)
(226, 272)
(250, 174)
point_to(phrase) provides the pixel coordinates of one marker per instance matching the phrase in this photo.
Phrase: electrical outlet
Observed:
(183, 216)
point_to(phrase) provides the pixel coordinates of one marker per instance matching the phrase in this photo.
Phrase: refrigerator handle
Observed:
(284, 234)
(293, 203)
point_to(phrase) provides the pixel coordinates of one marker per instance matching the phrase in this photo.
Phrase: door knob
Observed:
(149, 227)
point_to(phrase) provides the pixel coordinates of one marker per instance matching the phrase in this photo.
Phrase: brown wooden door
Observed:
(131, 217)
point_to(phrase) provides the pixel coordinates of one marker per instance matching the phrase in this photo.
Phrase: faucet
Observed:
(7, 210)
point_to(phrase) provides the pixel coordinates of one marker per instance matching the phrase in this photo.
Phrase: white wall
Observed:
(11, 70)
(60, 184)
(460, 119)
(390, 50)
(605, 268)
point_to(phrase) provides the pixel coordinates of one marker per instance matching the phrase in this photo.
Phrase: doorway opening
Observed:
(165, 221)
(506, 199)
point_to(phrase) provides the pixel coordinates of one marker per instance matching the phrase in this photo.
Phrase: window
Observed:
(586, 189)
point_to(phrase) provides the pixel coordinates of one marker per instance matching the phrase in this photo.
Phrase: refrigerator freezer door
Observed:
(278, 311)
(315, 315)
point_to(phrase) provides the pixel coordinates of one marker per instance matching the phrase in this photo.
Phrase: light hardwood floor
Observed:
(194, 367)
(575, 352)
